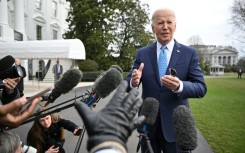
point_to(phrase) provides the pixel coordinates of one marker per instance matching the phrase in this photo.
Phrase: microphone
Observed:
(149, 109)
(6, 62)
(117, 67)
(105, 84)
(69, 80)
(184, 128)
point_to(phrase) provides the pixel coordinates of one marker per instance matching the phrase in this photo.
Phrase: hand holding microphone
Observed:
(115, 122)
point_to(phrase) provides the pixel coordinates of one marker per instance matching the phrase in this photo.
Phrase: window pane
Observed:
(55, 34)
(39, 32)
(54, 9)
(38, 4)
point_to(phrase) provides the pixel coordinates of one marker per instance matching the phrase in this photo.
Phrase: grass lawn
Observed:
(220, 115)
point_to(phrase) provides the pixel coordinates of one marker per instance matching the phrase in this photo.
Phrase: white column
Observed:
(3, 12)
(6, 33)
(19, 17)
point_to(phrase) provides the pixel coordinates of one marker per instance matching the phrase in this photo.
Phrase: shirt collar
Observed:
(170, 45)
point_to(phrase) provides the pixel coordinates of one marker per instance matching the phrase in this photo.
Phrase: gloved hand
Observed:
(116, 121)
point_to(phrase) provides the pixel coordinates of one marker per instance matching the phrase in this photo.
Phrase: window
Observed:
(54, 9)
(55, 34)
(38, 5)
(39, 32)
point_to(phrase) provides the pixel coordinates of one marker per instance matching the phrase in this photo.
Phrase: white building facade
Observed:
(22, 20)
(29, 20)
(218, 57)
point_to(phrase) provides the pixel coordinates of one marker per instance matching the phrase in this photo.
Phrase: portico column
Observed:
(6, 33)
(19, 17)
(3, 12)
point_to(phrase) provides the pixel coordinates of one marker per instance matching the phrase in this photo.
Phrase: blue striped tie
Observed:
(162, 61)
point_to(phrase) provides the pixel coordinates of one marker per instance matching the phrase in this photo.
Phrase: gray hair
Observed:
(162, 9)
(9, 142)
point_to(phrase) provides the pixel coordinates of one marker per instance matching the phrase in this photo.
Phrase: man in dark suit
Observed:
(239, 72)
(57, 71)
(171, 91)
(20, 85)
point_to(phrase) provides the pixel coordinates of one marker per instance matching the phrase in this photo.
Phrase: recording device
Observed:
(105, 84)
(172, 72)
(149, 109)
(6, 62)
(184, 128)
(28, 149)
(14, 71)
(68, 81)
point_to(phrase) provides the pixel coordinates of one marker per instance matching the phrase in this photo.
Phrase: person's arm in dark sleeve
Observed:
(68, 125)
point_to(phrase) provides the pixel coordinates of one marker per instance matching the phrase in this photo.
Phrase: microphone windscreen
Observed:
(107, 82)
(184, 128)
(118, 68)
(6, 62)
(149, 109)
(68, 81)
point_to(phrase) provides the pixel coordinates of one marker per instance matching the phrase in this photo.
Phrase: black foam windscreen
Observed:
(6, 62)
(117, 67)
(184, 128)
(69, 80)
(150, 109)
(107, 82)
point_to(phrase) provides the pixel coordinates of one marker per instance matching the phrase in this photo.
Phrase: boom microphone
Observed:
(117, 67)
(107, 82)
(149, 109)
(68, 81)
(184, 128)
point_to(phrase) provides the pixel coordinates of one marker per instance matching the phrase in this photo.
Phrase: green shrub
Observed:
(88, 65)
(90, 76)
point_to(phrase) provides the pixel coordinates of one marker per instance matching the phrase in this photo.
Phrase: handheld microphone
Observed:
(6, 62)
(68, 81)
(149, 109)
(184, 128)
(105, 83)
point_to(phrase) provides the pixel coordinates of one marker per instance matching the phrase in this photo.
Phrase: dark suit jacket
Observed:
(186, 62)
(55, 69)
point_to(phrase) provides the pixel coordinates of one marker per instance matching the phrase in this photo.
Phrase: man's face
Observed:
(164, 26)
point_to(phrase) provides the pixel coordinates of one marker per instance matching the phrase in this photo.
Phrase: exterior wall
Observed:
(218, 55)
(12, 14)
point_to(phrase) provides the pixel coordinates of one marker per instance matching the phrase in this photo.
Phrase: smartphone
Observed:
(172, 72)
(41, 93)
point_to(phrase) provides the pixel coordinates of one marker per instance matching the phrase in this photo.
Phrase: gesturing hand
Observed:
(136, 75)
(116, 121)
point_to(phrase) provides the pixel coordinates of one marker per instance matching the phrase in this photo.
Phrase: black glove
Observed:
(116, 121)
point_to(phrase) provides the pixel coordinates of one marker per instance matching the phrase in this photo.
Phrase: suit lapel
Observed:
(175, 56)
(153, 56)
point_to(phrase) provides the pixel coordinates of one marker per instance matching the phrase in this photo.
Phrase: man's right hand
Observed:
(136, 75)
